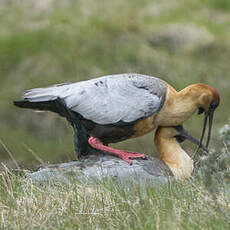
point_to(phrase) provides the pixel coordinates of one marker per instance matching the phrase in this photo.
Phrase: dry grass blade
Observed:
(9, 153)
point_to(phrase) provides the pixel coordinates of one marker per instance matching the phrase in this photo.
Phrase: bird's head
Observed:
(209, 98)
(208, 101)
(178, 133)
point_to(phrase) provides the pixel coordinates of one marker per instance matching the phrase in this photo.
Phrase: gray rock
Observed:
(96, 168)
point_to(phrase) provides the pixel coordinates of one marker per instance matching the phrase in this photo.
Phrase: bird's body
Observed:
(107, 106)
(118, 107)
(172, 162)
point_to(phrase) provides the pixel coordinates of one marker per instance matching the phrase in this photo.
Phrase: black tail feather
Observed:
(41, 105)
(58, 105)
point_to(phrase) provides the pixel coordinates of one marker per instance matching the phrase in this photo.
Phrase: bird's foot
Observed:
(127, 156)
(124, 155)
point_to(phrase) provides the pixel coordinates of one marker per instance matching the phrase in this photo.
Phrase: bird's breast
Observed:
(144, 126)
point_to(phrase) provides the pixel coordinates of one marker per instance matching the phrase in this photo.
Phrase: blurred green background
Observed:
(45, 42)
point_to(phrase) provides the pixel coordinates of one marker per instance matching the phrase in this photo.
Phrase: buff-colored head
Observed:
(208, 101)
(208, 97)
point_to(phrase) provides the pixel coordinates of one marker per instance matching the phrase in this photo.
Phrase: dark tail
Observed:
(39, 105)
(58, 106)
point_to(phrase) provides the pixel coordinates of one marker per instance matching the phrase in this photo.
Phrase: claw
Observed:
(126, 156)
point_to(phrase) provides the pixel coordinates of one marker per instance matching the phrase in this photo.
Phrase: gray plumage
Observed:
(108, 99)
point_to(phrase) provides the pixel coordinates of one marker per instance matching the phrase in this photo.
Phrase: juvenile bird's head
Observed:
(171, 153)
(167, 141)
(176, 133)
(208, 101)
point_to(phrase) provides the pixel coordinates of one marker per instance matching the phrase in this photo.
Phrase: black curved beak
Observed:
(208, 116)
(204, 129)
(182, 132)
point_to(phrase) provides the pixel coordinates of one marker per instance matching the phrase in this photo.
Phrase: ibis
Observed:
(114, 108)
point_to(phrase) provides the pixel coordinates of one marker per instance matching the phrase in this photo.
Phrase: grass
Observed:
(186, 205)
(201, 202)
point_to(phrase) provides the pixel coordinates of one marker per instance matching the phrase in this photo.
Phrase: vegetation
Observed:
(199, 203)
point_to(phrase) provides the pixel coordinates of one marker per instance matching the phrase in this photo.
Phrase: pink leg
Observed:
(124, 155)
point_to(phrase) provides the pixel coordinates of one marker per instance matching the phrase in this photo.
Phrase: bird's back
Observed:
(108, 99)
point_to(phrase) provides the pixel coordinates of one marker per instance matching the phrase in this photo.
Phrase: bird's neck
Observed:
(178, 106)
(175, 157)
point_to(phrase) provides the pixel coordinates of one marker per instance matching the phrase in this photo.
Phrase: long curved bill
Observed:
(182, 132)
(208, 116)
(204, 129)
(210, 126)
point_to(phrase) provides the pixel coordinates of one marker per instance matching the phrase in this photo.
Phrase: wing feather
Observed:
(109, 99)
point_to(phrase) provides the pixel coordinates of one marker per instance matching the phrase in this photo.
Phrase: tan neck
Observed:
(178, 106)
(174, 156)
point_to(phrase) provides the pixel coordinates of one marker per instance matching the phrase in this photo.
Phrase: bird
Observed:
(171, 162)
(117, 107)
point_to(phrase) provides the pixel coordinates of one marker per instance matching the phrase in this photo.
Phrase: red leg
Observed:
(124, 155)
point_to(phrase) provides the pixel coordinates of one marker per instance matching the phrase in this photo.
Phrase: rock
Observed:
(96, 168)
(178, 37)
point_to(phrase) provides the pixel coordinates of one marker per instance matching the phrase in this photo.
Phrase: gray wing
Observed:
(109, 99)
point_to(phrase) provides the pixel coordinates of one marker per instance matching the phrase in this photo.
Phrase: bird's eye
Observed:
(180, 138)
(213, 105)
(200, 110)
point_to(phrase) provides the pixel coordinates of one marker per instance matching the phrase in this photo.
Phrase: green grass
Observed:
(201, 202)
(223, 5)
(185, 205)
